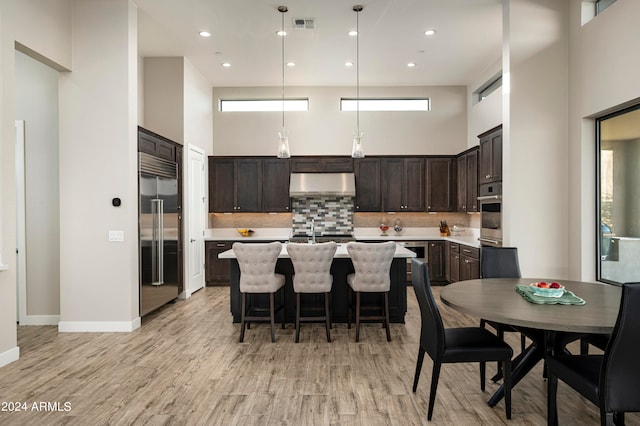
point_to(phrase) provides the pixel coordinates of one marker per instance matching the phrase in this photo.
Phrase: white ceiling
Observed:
(467, 42)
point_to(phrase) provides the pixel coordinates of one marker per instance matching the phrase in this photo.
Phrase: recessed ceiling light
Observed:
(411, 64)
(348, 64)
(430, 32)
(291, 64)
(226, 64)
(205, 33)
(353, 33)
(281, 33)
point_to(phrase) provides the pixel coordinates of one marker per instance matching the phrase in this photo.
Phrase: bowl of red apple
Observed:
(547, 289)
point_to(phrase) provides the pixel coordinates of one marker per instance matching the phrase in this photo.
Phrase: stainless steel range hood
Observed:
(310, 184)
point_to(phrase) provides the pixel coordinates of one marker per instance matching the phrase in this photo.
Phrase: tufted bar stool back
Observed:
(312, 268)
(257, 262)
(372, 264)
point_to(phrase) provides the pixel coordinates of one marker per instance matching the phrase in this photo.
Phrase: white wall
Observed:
(44, 28)
(325, 130)
(604, 77)
(98, 161)
(198, 109)
(164, 97)
(535, 135)
(486, 114)
(37, 105)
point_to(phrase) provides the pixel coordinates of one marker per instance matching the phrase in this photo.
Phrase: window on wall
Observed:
(618, 195)
(263, 105)
(601, 5)
(385, 104)
(487, 88)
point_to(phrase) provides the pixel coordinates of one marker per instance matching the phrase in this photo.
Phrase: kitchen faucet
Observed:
(313, 231)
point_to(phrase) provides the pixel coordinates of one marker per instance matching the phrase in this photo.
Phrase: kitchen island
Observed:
(340, 268)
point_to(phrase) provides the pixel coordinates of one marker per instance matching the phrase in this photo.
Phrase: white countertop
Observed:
(468, 236)
(341, 252)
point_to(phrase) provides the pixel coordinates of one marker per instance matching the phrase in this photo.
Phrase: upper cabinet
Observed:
(491, 155)
(156, 145)
(275, 184)
(368, 181)
(403, 184)
(321, 165)
(440, 180)
(467, 172)
(235, 185)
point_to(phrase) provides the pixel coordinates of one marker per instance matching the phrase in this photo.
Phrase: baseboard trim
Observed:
(99, 326)
(41, 320)
(9, 356)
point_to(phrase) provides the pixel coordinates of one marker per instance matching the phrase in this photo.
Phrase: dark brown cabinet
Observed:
(469, 263)
(436, 261)
(322, 165)
(464, 262)
(368, 185)
(491, 155)
(467, 173)
(156, 145)
(275, 184)
(439, 184)
(235, 185)
(217, 271)
(403, 184)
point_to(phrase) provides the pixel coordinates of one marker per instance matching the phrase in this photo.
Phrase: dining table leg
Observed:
(525, 361)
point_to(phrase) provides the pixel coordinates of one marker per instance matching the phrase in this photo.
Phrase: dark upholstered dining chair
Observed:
(611, 380)
(500, 262)
(449, 345)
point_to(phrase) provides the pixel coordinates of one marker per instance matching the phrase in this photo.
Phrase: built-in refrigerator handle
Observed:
(157, 242)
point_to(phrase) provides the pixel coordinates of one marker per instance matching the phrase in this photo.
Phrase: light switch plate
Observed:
(116, 235)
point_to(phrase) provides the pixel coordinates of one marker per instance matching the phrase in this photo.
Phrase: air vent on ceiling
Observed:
(304, 23)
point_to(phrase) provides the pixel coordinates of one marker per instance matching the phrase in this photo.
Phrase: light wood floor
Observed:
(185, 366)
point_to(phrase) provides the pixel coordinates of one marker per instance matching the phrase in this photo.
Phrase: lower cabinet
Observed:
(436, 261)
(464, 262)
(217, 271)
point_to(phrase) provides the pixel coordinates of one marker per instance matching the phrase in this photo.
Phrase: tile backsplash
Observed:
(332, 215)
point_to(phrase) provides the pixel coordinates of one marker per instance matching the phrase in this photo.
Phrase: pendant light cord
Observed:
(358, 72)
(283, 35)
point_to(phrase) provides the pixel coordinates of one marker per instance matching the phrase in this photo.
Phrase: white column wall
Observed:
(98, 156)
(535, 140)
(198, 109)
(164, 97)
(44, 28)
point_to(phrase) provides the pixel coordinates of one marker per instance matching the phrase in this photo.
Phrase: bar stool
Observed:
(372, 263)
(257, 262)
(312, 268)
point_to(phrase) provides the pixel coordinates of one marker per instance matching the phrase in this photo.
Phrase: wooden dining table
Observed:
(549, 326)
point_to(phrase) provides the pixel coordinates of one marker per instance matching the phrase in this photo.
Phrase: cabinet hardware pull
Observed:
(220, 244)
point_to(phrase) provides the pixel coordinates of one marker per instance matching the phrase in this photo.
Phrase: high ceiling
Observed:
(243, 33)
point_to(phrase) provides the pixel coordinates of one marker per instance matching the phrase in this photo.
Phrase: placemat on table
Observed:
(568, 298)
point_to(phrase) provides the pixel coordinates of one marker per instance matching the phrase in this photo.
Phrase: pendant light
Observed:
(283, 143)
(357, 151)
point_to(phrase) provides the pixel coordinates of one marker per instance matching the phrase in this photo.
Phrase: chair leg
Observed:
(418, 368)
(282, 306)
(357, 316)
(435, 375)
(349, 307)
(272, 316)
(327, 320)
(242, 315)
(584, 346)
(483, 374)
(552, 394)
(507, 388)
(386, 315)
(523, 342)
(297, 317)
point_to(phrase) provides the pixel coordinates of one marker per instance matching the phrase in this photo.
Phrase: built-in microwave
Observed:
(490, 198)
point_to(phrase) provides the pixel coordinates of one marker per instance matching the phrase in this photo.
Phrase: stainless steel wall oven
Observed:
(491, 214)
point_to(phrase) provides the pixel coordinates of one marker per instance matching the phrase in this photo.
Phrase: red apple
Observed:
(555, 285)
(543, 284)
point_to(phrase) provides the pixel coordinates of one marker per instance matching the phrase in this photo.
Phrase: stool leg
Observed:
(242, 315)
(357, 316)
(272, 315)
(297, 317)
(282, 305)
(386, 315)
(349, 307)
(326, 316)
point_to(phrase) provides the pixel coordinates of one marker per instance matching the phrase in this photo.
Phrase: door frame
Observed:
(21, 247)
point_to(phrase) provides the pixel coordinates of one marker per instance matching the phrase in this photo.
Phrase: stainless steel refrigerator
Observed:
(158, 224)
